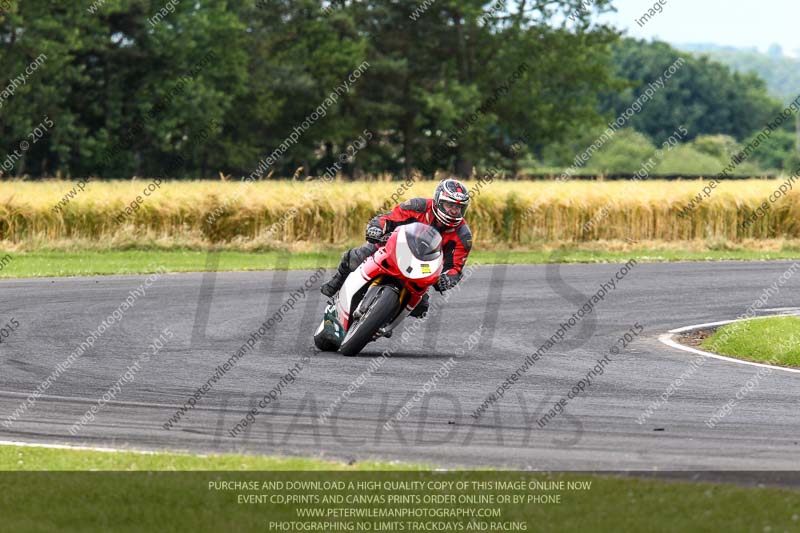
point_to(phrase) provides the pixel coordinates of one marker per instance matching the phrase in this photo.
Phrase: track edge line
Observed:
(668, 339)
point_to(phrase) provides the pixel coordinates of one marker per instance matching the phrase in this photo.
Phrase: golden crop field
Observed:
(504, 212)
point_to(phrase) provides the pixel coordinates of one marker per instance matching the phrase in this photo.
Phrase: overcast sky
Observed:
(740, 23)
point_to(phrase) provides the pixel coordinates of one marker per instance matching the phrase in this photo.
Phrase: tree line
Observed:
(191, 89)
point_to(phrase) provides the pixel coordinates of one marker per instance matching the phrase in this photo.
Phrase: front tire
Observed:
(381, 312)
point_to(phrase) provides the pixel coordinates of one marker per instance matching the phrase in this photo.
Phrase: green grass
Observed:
(774, 340)
(35, 458)
(85, 263)
(153, 499)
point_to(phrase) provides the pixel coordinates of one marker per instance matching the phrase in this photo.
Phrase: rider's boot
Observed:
(333, 285)
(421, 309)
(350, 261)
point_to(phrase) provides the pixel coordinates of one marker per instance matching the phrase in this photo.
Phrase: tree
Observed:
(703, 96)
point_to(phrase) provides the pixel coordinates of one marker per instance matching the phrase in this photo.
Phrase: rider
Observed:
(445, 212)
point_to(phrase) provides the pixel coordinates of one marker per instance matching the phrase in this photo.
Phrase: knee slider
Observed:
(353, 259)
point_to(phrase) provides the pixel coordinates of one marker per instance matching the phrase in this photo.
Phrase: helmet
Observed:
(450, 202)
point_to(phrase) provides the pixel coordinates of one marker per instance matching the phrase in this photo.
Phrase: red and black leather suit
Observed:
(456, 243)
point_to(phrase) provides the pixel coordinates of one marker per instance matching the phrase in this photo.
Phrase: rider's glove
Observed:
(445, 282)
(375, 234)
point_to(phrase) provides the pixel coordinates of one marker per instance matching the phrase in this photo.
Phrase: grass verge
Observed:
(95, 262)
(773, 340)
(154, 500)
(34, 458)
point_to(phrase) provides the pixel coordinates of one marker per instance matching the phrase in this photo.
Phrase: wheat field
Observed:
(286, 212)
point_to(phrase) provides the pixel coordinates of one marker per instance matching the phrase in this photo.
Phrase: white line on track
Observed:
(668, 339)
(22, 444)
(789, 310)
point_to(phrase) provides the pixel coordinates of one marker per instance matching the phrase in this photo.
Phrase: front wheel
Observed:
(383, 309)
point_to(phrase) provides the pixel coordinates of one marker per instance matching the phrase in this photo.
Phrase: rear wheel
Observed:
(380, 312)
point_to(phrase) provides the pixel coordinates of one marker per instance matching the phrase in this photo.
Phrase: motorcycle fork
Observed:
(366, 301)
(404, 297)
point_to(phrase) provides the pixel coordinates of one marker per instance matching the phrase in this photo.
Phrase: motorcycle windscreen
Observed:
(423, 241)
(419, 251)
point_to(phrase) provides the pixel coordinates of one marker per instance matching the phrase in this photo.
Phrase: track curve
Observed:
(212, 315)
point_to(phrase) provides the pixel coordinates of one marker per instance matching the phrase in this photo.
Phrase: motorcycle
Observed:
(378, 295)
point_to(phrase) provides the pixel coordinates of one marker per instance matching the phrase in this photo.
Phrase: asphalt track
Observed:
(211, 315)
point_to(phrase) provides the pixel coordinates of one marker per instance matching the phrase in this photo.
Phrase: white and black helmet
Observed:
(450, 202)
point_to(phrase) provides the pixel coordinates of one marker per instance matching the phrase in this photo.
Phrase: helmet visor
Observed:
(453, 209)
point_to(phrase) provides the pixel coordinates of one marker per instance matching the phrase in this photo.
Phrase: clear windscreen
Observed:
(424, 241)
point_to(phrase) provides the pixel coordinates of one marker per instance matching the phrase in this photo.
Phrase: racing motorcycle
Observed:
(382, 291)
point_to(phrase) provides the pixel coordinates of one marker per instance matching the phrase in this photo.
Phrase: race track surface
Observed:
(519, 307)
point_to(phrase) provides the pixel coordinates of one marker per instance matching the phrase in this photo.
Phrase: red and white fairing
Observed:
(398, 260)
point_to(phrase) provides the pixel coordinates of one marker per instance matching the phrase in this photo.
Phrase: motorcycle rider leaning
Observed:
(445, 212)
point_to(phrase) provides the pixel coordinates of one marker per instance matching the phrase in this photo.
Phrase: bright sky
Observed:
(740, 23)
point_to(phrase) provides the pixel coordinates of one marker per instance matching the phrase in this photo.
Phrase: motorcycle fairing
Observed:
(353, 285)
(330, 328)
(409, 263)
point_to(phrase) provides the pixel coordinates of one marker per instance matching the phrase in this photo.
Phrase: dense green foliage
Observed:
(268, 87)
(781, 73)
(709, 109)
(703, 96)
